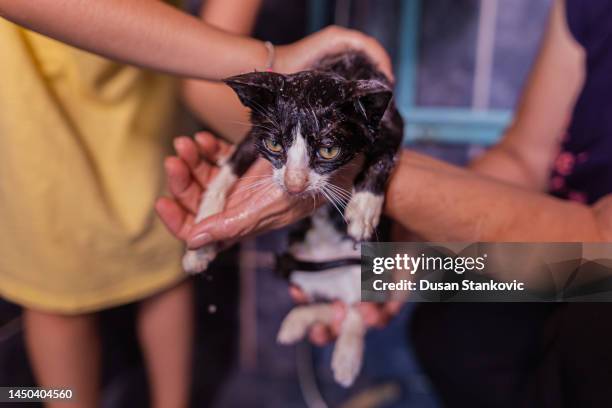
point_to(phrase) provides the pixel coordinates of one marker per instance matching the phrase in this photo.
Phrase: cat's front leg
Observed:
(363, 214)
(213, 201)
(347, 356)
(365, 206)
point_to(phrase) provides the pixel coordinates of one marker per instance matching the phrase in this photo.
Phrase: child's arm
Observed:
(147, 33)
(215, 104)
(154, 35)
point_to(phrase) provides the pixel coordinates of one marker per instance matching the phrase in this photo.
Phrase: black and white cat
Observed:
(310, 125)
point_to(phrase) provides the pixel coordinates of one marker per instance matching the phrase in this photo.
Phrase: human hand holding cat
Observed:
(253, 206)
(375, 315)
(333, 39)
(187, 174)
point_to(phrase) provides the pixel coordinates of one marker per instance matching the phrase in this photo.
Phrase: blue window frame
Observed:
(427, 123)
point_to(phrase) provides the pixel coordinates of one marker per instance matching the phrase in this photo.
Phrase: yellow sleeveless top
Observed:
(82, 142)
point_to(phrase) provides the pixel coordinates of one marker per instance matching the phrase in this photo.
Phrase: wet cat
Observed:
(310, 125)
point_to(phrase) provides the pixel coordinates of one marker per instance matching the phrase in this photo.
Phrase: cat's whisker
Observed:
(237, 122)
(264, 190)
(341, 191)
(261, 110)
(376, 234)
(254, 185)
(316, 120)
(251, 125)
(326, 195)
(256, 176)
(338, 202)
(262, 186)
(269, 128)
(314, 202)
(260, 179)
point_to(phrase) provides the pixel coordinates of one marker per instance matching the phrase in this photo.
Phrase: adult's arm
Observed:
(484, 209)
(440, 202)
(154, 35)
(215, 104)
(526, 152)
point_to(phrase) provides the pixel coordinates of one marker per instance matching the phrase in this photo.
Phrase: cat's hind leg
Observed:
(301, 318)
(213, 201)
(347, 356)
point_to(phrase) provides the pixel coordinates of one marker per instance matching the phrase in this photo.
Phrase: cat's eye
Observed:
(273, 146)
(329, 153)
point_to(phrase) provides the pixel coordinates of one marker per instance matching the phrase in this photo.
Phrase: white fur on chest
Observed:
(341, 283)
(324, 243)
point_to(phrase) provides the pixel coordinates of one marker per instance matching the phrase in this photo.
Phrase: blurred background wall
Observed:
(460, 65)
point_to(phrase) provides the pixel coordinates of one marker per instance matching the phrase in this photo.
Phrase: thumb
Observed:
(223, 226)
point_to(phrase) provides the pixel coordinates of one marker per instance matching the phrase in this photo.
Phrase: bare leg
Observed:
(64, 351)
(165, 329)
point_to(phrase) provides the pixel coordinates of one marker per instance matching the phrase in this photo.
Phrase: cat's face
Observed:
(310, 124)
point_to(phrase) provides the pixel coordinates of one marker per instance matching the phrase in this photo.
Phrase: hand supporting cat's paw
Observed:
(197, 260)
(363, 214)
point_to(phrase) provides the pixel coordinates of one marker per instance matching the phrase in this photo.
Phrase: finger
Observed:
(212, 148)
(172, 215)
(370, 46)
(380, 55)
(187, 150)
(393, 307)
(224, 226)
(177, 175)
(250, 216)
(297, 294)
(339, 315)
(319, 334)
(373, 314)
(181, 185)
(236, 222)
(208, 146)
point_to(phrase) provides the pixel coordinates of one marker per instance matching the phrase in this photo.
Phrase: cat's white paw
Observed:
(346, 360)
(213, 201)
(196, 261)
(293, 328)
(363, 214)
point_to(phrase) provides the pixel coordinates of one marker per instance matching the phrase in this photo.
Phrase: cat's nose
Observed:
(296, 181)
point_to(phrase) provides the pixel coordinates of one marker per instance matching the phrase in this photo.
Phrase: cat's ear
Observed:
(256, 90)
(370, 99)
